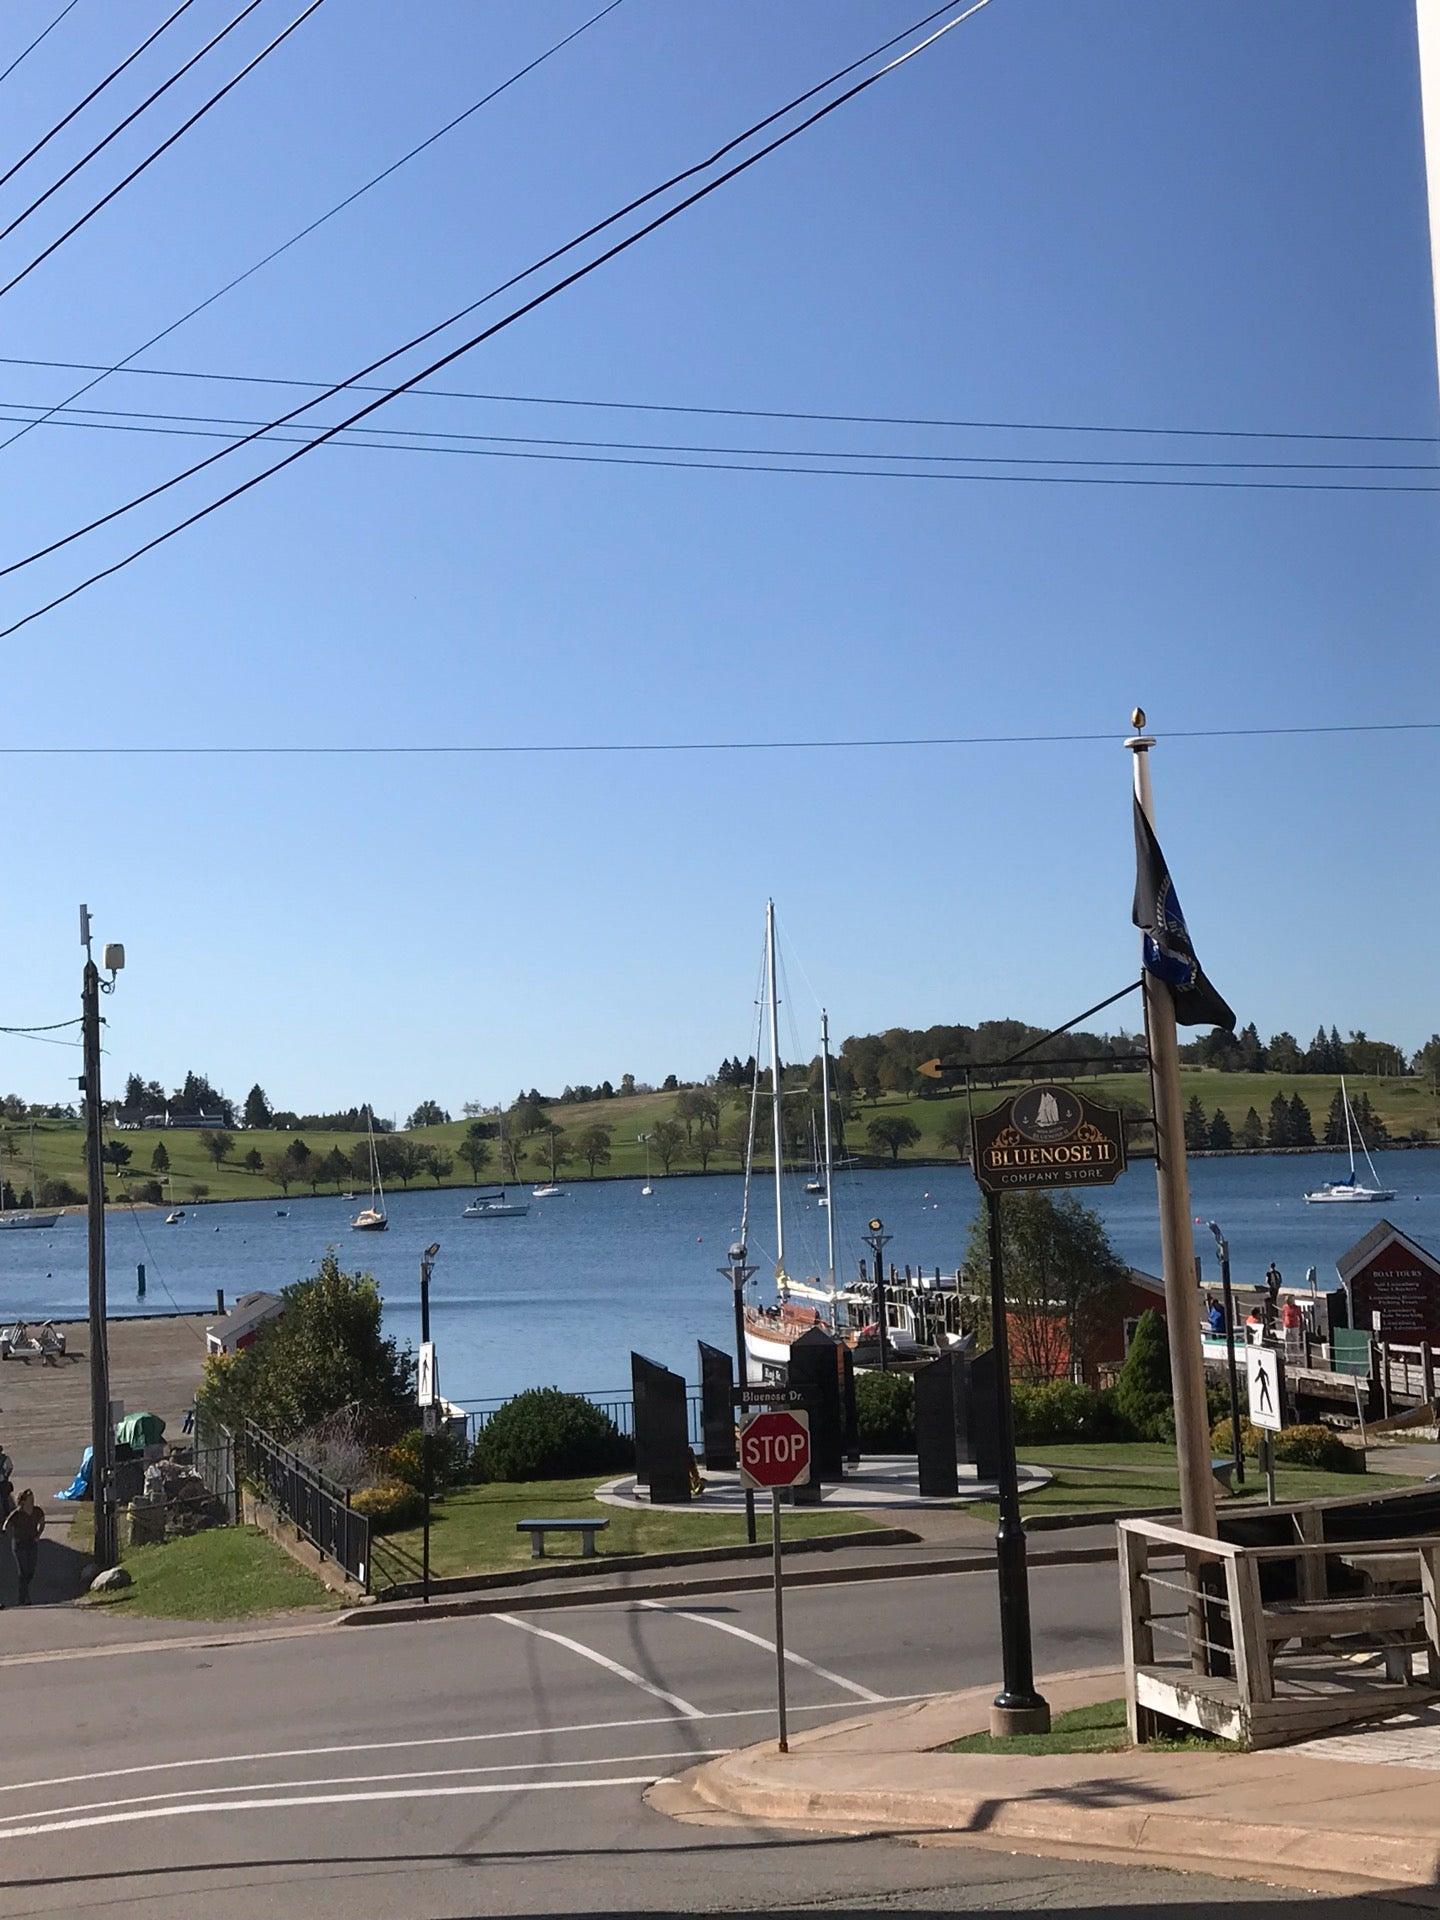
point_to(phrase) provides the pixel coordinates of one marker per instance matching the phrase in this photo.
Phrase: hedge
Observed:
(885, 1412)
(544, 1434)
(1306, 1446)
(390, 1508)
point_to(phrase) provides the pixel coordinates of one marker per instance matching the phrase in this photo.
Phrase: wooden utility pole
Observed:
(1182, 1298)
(102, 1435)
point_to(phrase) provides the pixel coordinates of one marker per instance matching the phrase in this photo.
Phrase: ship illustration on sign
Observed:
(1048, 1136)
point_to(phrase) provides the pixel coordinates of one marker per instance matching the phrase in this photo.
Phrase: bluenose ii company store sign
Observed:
(1048, 1137)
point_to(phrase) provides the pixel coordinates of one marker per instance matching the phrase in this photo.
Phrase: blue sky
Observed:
(1098, 212)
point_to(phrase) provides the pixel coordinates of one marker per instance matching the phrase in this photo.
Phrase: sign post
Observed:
(775, 1453)
(427, 1392)
(1265, 1380)
(1045, 1136)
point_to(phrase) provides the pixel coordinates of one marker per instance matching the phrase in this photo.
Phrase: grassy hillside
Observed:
(1408, 1107)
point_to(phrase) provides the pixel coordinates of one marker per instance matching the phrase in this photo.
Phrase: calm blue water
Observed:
(562, 1296)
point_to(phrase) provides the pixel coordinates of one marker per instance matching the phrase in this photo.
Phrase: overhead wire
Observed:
(807, 416)
(399, 439)
(813, 744)
(129, 119)
(25, 52)
(537, 300)
(164, 146)
(103, 372)
(94, 93)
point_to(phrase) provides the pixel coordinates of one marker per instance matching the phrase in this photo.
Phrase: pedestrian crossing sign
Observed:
(1265, 1371)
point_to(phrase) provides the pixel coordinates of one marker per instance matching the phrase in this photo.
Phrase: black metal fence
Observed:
(619, 1406)
(214, 1460)
(317, 1507)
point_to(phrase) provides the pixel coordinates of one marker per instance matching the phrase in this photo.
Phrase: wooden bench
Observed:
(537, 1530)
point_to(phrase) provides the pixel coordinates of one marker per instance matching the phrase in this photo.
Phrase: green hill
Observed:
(1407, 1105)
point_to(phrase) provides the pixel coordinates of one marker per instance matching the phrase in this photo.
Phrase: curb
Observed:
(1060, 1814)
(534, 1599)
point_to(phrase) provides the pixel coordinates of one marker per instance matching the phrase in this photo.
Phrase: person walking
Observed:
(24, 1526)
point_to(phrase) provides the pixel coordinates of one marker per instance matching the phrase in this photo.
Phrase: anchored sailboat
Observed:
(372, 1219)
(1351, 1190)
(29, 1218)
(495, 1205)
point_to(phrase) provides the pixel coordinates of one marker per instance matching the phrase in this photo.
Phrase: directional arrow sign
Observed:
(950, 1070)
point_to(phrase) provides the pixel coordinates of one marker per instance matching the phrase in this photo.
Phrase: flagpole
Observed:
(1182, 1300)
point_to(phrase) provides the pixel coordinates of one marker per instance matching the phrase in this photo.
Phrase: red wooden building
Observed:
(1393, 1286)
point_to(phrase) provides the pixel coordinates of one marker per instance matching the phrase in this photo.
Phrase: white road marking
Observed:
(603, 1660)
(426, 1740)
(758, 1640)
(314, 1800)
(685, 1756)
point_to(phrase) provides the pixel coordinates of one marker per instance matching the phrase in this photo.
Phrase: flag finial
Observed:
(1137, 719)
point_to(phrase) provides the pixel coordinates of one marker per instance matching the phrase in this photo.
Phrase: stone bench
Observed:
(537, 1530)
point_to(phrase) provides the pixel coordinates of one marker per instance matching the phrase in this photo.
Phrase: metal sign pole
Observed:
(427, 1418)
(779, 1620)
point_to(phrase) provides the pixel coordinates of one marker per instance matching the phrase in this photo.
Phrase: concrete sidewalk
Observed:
(1284, 1816)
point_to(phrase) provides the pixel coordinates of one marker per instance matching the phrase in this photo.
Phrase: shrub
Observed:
(449, 1458)
(59, 1193)
(391, 1507)
(1059, 1410)
(1307, 1446)
(544, 1434)
(1142, 1390)
(885, 1412)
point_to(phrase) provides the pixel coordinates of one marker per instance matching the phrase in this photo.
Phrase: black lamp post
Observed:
(1223, 1247)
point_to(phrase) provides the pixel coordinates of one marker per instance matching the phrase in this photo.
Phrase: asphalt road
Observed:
(496, 1765)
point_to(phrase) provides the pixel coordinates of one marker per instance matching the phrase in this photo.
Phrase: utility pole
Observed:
(829, 1196)
(776, 1121)
(1187, 1365)
(738, 1273)
(102, 1430)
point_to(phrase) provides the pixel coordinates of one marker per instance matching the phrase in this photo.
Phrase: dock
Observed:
(155, 1367)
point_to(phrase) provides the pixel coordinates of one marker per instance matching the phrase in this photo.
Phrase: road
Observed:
(496, 1765)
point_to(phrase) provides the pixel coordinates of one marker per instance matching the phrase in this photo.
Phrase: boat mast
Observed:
(778, 1131)
(829, 1208)
(375, 1186)
(1349, 1140)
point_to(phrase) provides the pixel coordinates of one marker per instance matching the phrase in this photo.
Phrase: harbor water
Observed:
(562, 1296)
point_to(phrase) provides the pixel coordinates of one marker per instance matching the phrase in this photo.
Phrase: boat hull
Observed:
(13, 1222)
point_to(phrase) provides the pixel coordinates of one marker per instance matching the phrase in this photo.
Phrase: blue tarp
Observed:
(79, 1487)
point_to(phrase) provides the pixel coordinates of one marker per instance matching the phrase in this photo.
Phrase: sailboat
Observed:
(1351, 1190)
(549, 1189)
(495, 1205)
(816, 1182)
(30, 1218)
(647, 1189)
(372, 1219)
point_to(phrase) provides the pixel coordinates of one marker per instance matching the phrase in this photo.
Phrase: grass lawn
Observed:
(473, 1528)
(1098, 1729)
(1139, 1474)
(227, 1573)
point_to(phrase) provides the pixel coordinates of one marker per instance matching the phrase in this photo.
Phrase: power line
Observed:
(115, 132)
(165, 145)
(727, 413)
(102, 372)
(632, 453)
(95, 92)
(817, 744)
(509, 319)
(53, 1027)
(25, 52)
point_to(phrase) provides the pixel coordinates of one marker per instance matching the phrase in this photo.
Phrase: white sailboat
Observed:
(1351, 1191)
(496, 1205)
(647, 1189)
(816, 1182)
(372, 1219)
(29, 1218)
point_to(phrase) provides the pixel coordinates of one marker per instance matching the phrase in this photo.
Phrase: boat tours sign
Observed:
(1048, 1137)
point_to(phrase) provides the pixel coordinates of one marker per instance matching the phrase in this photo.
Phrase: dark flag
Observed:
(1168, 952)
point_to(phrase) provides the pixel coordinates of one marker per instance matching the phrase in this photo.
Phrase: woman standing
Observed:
(25, 1526)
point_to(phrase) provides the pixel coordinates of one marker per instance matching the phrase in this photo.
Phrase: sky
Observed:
(1099, 212)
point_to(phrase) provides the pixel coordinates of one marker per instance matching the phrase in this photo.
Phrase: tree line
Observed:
(1288, 1124)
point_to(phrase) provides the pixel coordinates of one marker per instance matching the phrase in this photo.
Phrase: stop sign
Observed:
(775, 1449)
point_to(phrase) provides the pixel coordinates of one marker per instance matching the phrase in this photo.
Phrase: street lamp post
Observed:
(877, 1240)
(1223, 1248)
(738, 1273)
(427, 1419)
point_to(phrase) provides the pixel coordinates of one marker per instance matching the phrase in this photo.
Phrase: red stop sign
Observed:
(775, 1449)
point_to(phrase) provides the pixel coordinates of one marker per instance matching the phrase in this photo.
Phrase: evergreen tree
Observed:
(1283, 1054)
(257, 1107)
(1279, 1132)
(160, 1159)
(1197, 1131)
(1302, 1132)
(1252, 1130)
(1335, 1121)
(1251, 1050)
(1372, 1127)
(1221, 1135)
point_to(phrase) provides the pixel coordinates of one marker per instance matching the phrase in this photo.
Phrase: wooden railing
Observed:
(1227, 1614)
